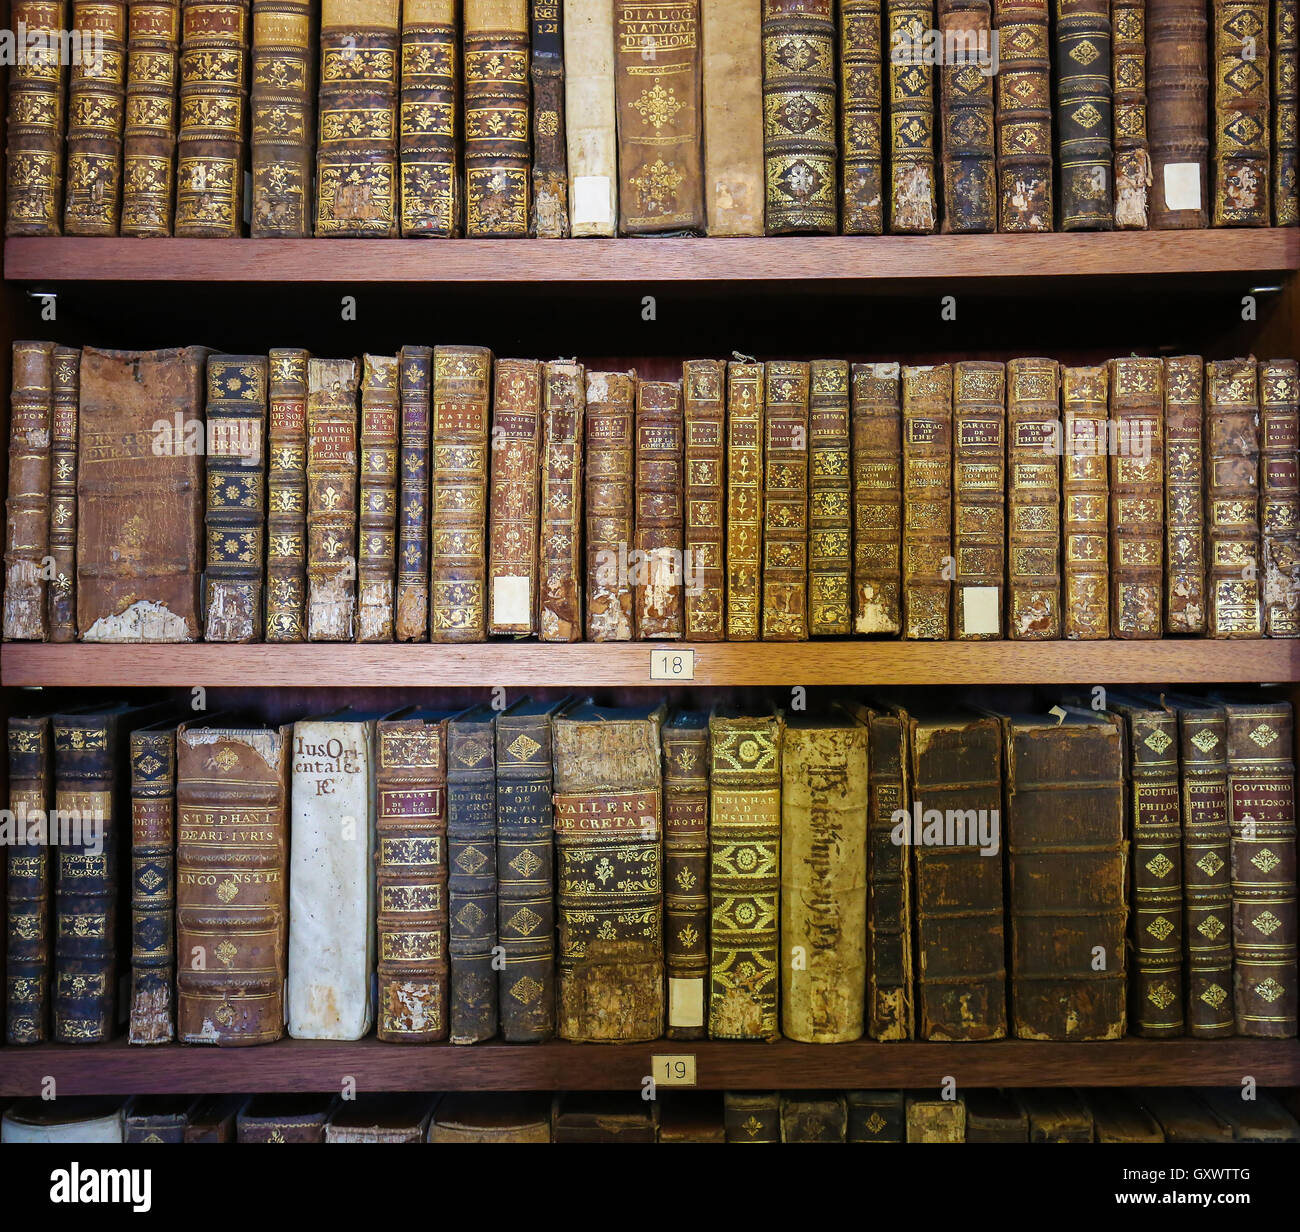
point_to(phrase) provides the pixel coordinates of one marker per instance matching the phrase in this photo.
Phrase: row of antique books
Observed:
(558, 868)
(591, 117)
(987, 1115)
(444, 495)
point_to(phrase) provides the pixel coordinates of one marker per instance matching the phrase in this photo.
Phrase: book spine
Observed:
(153, 886)
(830, 500)
(380, 414)
(704, 571)
(1240, 155)
(732, 129)
(1085, 501)
(911, 118)
(686, 877)
(875, 1116)
(1232, 498)
(1033, 499)
(331, 499)
(970, 199)
(877, 499)
(356, 153)
(979, 504)
(550, 178)
(589, 121)
(745, 386)
(861, 200)
(286, 495)
(428, 113)
(927, 501)
(889, 901)
(96, 105)
(799, 117)
(282, 129)
(560, 566)
(933, 1120)
(412, 605)
(27, 906)
(1279, 497)
(213, 95)
(1024, 116)
(512, 504)
(752, 1116)
(1184, 494)
(610, 504)
(64, 400)
(1178, 92)
(496, 118)
(813, 1117)
(659, 490)
(27, 507)
(1286, 106)
(149, 131)
(462, 388)
(34, 157)
(236, 519)
(785, 502)
(1129, 86)
(1084, 114)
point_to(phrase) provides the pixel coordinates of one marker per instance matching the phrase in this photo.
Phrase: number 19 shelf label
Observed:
(672, 665)
(673, 1069)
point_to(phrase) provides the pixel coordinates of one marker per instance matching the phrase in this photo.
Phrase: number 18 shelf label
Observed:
(672, 665)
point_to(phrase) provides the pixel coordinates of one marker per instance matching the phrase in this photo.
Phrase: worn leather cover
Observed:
(970, 199)
(497, 148)
(149, 132)
(877, 499)
(1129, 82)
(704, 508)
(28, 885)
(1279, 500)
(752, 1116)
(1024, 116)
(331, 499)
(495, 1116)
(35, 128)
(589, 120)
(212, 1118)
(411, 877)
(608, 821)
(401, 1117)
(692, 1116)
(513, 500)
(1085, 501)
(1184, 1117)
(77, 1120)
(1261, 1119)
(862, 166)
(813, 1116)
(561, 564)
(232, 862)
(657, 587)
(1118, 1117)
(658, 115)
(1178, 92)
(1033, 500)
(285, 1118)
(935, 1120)
(875, 1116)
(96, 106)
(283, 110)
(927, 501)
(1239, 75)
(377, 538)
(27, 507)
(139, 513)
(159, 1118)
(429, 114)
(830, 500)
(236, 487)
(912, 191)
(744, 873)
(415, 387)
(979, 500)
(1286, 105)
(732, 130)
(1055, 1115)
(610, 504)
(64, 404)
(1084, 114)
(584, 1117)
(549, 218)
(1137, 470)
(1184, 494)
(992, 1116)
(686, 872)
(745, 399)
(286, 495)
(785, 503)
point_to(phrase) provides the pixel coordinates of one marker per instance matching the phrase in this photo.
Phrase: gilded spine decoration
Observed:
(429, 109)
(149, 133)
(703, 382)
(1085, 501)
(96, 105)
(610, 503)
(1279, 497)
(283, 118)
(785, 503)
(65, 399)
(412, 611)
(34, 158)
(979, 502)
(966, 112)
(927, 500)
(830, 504)
(286, 495)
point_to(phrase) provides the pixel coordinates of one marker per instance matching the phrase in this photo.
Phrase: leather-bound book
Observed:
(657, 590)
(686, 872)
(35, 128)
(732, 127)
(149, 133)
(96, 107)
(377, 533)
(1083, 114)
(813, 1116)
(525, 885)
(927, 501)
(586, 1117)
(1279, 496)
(1240, 76)
(1033, 500)
(1064, 836)
(935, 1120)
(1024, 116)
(692, 1116)
(1286, 104)
(27, 507)
(1184, 1117)
(282, 105)
(494, 1116)
(799, 117)
(401, 1117)
(561, 565)
(213, 128)
(1261, 814)
(745, 399)
(285, 1118)
(862, 183)
(411, 622)
(911, 184)
(331, 499)
(1137, 497)
(513, 499)
(785, 503)
(495, 56)
(153, 883)
(992, 1116)
(428, 115)
(1184, 494)
(1258, 1119)
(1085, 501)
(704, 405)
(824, 877)
(331, 877)
(970, 200)
(357, 187)
(589, 123)
(979, 503)
(1232, 498)
(610, 504)
(411, 877)
(28, 863)
(76, 1120)
(608, 820)
(212, 1118)
(462, 389)
(1056, 1115)
(1178, 92)
(472, 873)
(1118, 1117)
(1129, 84)
(232, 863)
(960, 974)
(236, 517)
(875, 1116)
(830, 500)
(744, 874)
(286, 495)
(65, 401)
(877, 449)
(752, 1116)
(139, 513)
(157, 1118)
(549, 216)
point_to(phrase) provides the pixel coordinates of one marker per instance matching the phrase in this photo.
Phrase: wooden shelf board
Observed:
(308, 1065)
(819, 259)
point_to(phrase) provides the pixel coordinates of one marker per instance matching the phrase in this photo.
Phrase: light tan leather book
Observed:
(513, 500)
(1056, 1115)
(27, 507)
(745, 397)
(1239, 148)
(1178, 112)
(935, 1120)
(377, 538)
(35, 128)
(286, 496)
(830, 500)
(331, 499)
(1023, 94)
(1085, 500)
(785, 503)
(610, 503)
(496, 102)
(1033, 500)
(477, 1116)
(657, 590)
(911, 184)
(382, 1118)
(149, 133)
(733, 116)
(1279, 498)
(1184, 494)
(550, 204)
(979, 501)
(1286, 104)
(429, 120)
(927, 501)
(877, 499)
(704, 572)
(411, 623)
(96, 108)
(970, 200)
(589, 116)
(560, 583)
(283, 127)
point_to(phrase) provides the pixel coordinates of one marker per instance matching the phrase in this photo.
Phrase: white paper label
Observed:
(980, 609)
(1182, 186)
(591, 200)
(511, 602)
(685, 1003)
